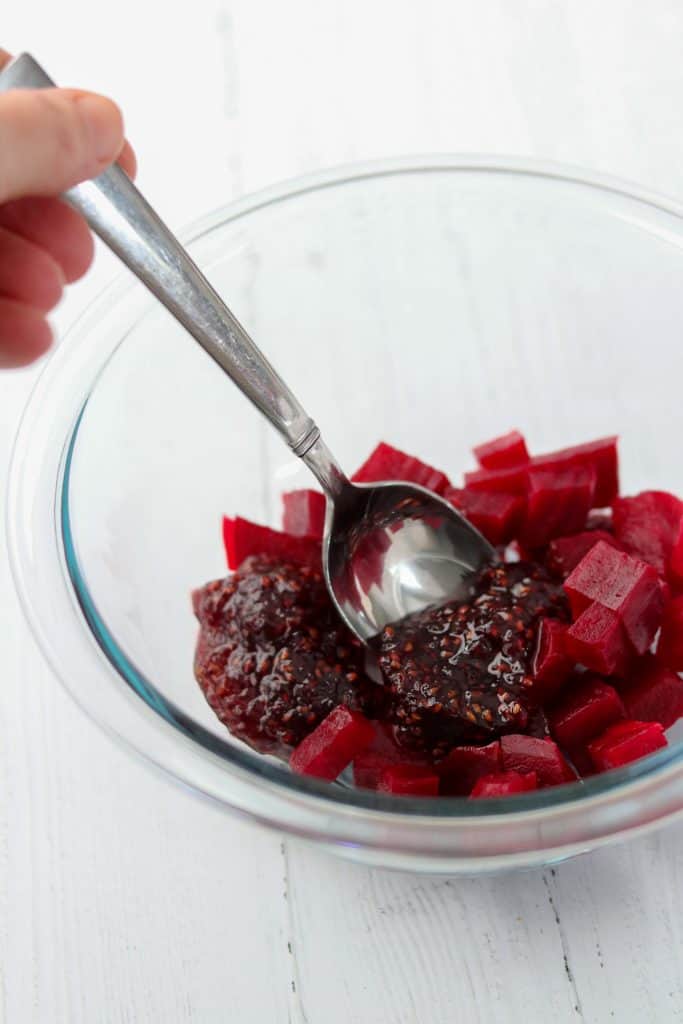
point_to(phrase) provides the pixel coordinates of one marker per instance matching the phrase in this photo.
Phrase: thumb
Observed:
(51, 139)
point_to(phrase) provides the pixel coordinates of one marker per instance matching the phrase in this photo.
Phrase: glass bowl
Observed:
(429, 302)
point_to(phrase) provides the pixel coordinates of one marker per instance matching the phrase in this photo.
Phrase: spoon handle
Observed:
(124, 220)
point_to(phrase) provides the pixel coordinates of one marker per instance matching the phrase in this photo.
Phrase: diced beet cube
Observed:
(382, 752)
(333, 744)
(304, 513)
(501, 452)
(625, 742)
(670, 644)
(463, 766)
(599, 455)
(675, 572)
(622, 583)
(521, 753)
(587, 706)
(565, 553)
(511, 480)
(598, 641)
(490, 787)
(409, 779)
(243, 538)
(387, 463)
(495, 515)
(648, 526)
(653, 693)
(551, 664)
(558, 501)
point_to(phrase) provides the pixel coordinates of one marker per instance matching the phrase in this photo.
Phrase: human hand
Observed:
(50, 139)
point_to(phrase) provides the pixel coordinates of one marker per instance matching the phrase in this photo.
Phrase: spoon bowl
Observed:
(394, 549)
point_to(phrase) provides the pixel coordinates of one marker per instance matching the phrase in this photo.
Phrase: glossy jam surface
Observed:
(462, 673)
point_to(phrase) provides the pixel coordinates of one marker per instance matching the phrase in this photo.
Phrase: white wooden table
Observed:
(121, 898)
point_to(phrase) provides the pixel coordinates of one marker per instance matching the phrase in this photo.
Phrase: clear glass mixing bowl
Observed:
(432, 303)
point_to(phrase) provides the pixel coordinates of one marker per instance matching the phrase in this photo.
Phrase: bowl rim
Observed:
(541, 821)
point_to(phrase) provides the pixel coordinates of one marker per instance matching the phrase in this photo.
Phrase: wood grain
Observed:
(124, 900)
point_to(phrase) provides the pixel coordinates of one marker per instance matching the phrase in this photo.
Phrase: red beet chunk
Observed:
(333, 744)
(624, 584)
(648, 526)
(528, 754)
(653, 693)
(585, 709)
(243, 538)
(387, 463)
(598, 641)
(565, 553)
(502, 452)
(304, 513)
(495, 515)
(670, 646)
(551, 665)
(409, 779)
(490, 787)
(511, 480)
(558, 502)
(382, 752)
(464, 766)
(625, 742)
(676, 560)
(600, 456)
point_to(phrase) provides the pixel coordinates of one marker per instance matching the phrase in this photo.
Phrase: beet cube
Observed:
(551, 665)
(382, 752)
(653, 693)
(675, 572)
(409, 779)
(522, 753)
(303, 513)
(501, 452)
(387, 463)
(495, 515)
(670, 645)
(333, 744)
(558, 501)
(587, 706)
(624, 584)
(243, 538)
(598, 641)
(511, 480)
(463, 766)
(624, 742)
(599, 455)
(565, 553)
(490, 787)
(648, 526)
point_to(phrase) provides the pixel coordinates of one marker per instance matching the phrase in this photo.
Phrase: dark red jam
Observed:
(462, 673)
(273, 657)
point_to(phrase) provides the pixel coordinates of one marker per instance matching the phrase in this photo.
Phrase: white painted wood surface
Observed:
(123, 899)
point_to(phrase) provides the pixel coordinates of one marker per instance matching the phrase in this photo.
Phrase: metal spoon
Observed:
(389, 549)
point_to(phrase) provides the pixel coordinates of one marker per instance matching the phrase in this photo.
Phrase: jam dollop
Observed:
(462, 672)
(273, 657)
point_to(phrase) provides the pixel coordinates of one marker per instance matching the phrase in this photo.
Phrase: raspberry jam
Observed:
(462, 673)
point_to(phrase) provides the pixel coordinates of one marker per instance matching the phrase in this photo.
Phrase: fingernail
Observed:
(103, 123)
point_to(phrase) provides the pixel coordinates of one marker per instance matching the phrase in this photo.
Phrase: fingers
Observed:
(53, 225)
(127, 160)
(28, 273)
(25, 334)
(50, 139)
